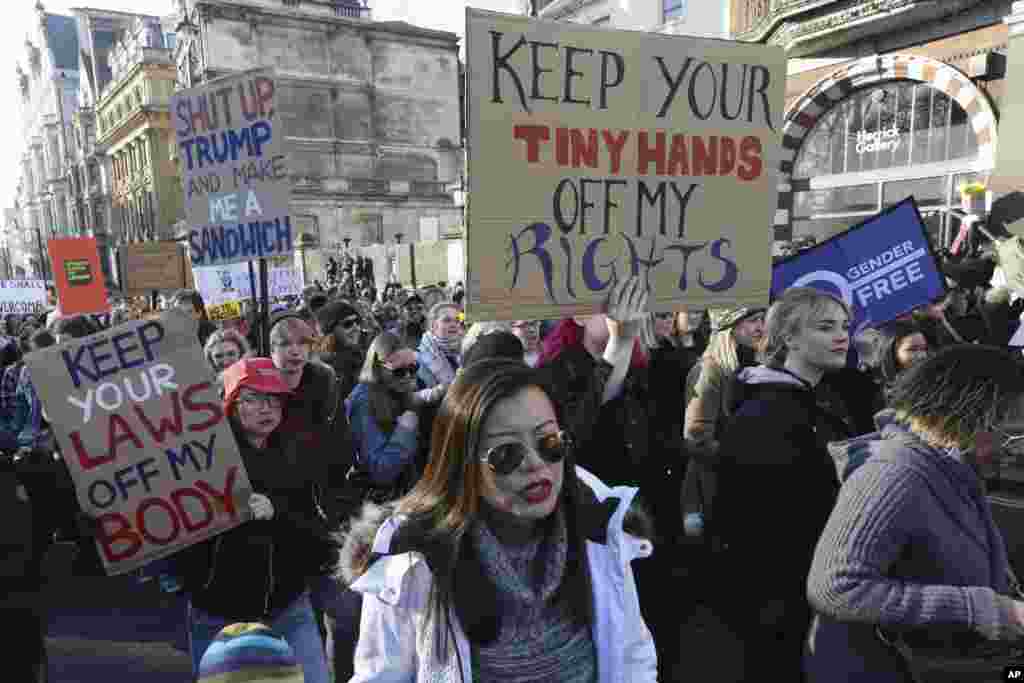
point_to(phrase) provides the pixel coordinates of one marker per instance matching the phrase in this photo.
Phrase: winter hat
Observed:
(333, 313)
(258, 374)
(499, 344)
(728, 318)
(249, 653)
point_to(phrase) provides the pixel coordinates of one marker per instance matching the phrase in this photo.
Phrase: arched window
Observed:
(876, 147)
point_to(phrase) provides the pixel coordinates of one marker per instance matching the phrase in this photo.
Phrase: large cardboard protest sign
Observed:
(597, 154)
(140, 425)
(22, 296)
(150, 266)
(78, 276)
(235, 172)
(882, 268)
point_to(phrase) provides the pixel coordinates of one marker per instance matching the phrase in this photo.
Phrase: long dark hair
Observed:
(384, 407)
(445, 502)
(889, 336)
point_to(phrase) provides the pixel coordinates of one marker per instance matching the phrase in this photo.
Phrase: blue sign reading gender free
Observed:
(881, 268)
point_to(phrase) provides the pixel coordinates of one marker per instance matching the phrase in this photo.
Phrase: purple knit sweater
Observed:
(911, 543)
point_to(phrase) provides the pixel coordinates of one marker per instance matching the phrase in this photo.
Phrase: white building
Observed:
(708, 18)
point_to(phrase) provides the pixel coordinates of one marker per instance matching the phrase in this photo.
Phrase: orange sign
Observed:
(77, 273)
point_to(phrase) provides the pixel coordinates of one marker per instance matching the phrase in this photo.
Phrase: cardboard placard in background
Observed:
(150, 266)
(882, 268)
(234, 169)
(597, 154)
(141, 428)
(227, 310)
(75, 263)
(22, 296)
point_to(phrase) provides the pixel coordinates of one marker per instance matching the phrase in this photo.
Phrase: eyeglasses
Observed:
(404, 372)
(506, 458)
(261, 400)
(663, 316)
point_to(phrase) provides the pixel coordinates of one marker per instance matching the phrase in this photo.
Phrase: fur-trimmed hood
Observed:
(357, 540)
(599, 503)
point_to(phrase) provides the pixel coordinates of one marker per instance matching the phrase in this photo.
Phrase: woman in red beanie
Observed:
(259, 571)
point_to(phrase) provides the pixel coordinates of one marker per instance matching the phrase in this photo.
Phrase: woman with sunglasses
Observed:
(505, 562)
(911, 546)
(341, 342)
(383, 410)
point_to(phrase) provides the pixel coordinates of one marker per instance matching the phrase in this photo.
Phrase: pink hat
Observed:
(258, 374)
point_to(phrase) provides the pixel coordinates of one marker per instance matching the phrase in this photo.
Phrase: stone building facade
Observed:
(371, 111)
(64, 186)
(884, 99)
(46, 98)
(135, 134)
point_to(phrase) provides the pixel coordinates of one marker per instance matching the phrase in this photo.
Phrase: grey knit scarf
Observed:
(524, 585)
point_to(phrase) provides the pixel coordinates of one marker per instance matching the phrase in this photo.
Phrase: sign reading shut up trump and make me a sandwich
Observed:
(230, 140)
(597, 154)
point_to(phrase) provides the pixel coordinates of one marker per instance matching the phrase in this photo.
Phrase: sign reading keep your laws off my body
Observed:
(141, 428)
(236, 182)
(595, 155)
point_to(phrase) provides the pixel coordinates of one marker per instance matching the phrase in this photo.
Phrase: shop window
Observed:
(927, 191)
(823, 228)
(851, 199)
(892, 125)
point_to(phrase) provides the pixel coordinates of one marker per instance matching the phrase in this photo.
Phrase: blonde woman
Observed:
(709, 401)
(776, 483)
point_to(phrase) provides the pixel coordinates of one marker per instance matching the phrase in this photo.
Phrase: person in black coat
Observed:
(776, 482)
(261, 570)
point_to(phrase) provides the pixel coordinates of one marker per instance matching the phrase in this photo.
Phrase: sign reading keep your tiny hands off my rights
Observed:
(236, 181)
(598, 154)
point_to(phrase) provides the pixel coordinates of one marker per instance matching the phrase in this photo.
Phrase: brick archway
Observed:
(830, 91)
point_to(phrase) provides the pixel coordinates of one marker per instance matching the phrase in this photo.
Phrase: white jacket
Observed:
(396, 636)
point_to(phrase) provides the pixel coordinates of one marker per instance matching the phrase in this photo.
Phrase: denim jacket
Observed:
(385, 456)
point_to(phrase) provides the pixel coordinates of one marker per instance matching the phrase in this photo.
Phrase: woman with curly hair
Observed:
(911, 545)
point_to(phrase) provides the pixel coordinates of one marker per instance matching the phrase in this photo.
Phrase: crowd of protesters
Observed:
(437, 498)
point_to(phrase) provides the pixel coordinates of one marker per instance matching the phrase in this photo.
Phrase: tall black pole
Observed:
(265, 308)
(43, 261)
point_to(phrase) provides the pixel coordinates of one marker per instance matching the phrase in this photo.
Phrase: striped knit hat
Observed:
(249, 653)
(725, 319)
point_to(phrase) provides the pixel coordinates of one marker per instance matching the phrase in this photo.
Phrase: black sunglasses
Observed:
(506, 458)
(406, 372)
(349, 324)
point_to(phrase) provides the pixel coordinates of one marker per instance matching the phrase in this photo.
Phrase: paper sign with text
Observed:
(597, 154)
(22, 296)
(229, 310)
(237, 188)
(881, 268)
(141, 427)
(150, 266)
(220, 284)
(78, 276)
